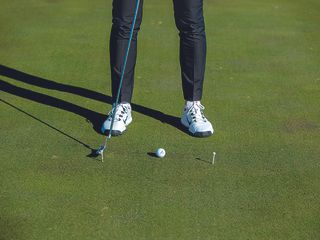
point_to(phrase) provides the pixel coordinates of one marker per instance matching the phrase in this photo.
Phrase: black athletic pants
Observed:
(190, 23)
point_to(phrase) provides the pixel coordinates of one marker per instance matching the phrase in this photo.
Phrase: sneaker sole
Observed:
(196, 134)
(202, 134)
(199, 134)
(116, 133)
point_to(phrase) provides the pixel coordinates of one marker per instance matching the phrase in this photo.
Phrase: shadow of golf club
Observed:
(95, 118)
(47, 124)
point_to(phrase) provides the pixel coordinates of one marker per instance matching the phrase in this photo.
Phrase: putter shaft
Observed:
(121, 78)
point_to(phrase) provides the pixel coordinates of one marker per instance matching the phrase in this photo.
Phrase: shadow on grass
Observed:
(95, 118)
(202, 160)
(46, 124)
(13, 227)
(152, 154)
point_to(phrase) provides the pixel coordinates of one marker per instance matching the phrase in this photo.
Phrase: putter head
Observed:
(96, 152)
(100, 150)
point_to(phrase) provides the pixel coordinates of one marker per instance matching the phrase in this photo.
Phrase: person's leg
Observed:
(122, 17)
(190, 23)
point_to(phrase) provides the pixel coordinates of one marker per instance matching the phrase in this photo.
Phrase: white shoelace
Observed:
(120, 112)
(196, 113)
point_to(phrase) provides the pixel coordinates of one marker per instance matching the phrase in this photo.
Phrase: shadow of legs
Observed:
(95, 118)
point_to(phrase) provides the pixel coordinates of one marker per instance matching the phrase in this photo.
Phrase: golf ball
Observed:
(160, 152)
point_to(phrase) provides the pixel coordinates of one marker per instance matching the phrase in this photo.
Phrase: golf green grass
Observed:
(262, 94)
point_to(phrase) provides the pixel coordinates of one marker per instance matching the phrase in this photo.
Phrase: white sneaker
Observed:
(122, 119)
(193, 118)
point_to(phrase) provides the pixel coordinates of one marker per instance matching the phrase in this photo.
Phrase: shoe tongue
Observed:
(125, 105)
(192, 104)
(196, 109)
(189, 104)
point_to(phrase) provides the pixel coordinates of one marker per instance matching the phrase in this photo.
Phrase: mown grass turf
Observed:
(261, 92)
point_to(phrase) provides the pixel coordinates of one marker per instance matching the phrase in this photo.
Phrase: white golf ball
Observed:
(160, 152)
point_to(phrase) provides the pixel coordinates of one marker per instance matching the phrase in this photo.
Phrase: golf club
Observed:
(100, 150)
